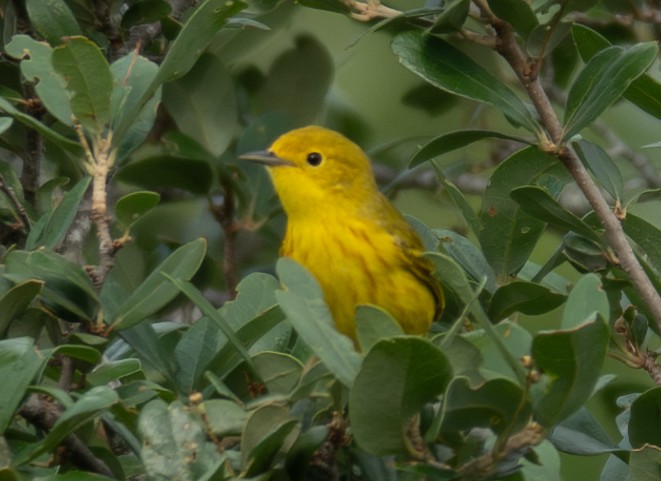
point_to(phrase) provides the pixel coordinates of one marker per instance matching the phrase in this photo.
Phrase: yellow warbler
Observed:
(346, 233)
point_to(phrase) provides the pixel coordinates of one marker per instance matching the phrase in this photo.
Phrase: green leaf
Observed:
(374, 324)
(266, 432)
(645, 464)
(525, 297)
(449, 69)
(5, 124)
(225, 417)
(304, 305)
(540, 43)
(16, 300)
(469, 257)
(205, 306)
(132, 75)
(301, 454)
(56, 223)
(452, 18)
(537, 202)
(581, 434)
(131, 207)
(67, 289)
(498, 404)
(174, 444)
(20, 362)
(518, 13)
(459, 200)
(156, 291)
(571, 361)
(586, 301)
(455, 140)
(52, 19)
(647, 236)
(145, 341)
(298, 81)
(279, 371)
(644, 92)
(515, 340)
(198, 31)
(602, 167)
(604, 79)
(194, 351)
(645, 419)
(397, 378)
(37, 67)
(114, 370)
(161, 171)
(84, 410)
(146, 11)
(203, 104)
(508, 233)
(86, 71)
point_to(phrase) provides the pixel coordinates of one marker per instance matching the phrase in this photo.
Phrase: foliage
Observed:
(121, 199)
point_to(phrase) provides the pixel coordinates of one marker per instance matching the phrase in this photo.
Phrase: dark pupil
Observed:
(314, 158)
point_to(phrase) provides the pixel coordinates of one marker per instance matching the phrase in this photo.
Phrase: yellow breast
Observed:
(358, 263)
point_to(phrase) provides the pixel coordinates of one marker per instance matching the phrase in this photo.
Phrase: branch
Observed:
(512, 53)
(23, 219)
(225, 213)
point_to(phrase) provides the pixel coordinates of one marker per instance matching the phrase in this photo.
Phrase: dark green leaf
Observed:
(156, 291)
(147, 11)
(56, 223)
(645, 419)
(84, 410)
(398, 376)
(16, 300)
(644, 92)
(459, 200)
(132, 75)
(114, 370)
(200, 28)
(647, 236)
(452, 18)
(144, 340)
(203, 104)
(517, 13)
(68, 290)
(571, 361)
(604, 79)
(162, 171)
(267, 431)
(537, 202)
(302, 451)
(304, 305)
(525, 297)
(52, 19)
(298, 81)
(602, 167)
(509, 234)
(455, 140)
(498, 404)
(86, 71)
(194, 351)
(131, 207)
(20, 362)
(449, 69)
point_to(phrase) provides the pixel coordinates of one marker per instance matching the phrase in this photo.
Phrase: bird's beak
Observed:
(265, 157)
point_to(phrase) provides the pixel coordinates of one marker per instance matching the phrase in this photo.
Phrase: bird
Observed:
(346, 233)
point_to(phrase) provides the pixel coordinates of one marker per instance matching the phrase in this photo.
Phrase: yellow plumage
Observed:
(346, 233)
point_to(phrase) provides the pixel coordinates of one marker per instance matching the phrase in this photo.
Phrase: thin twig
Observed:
(225, 214)
(512, 53)
(43, 412)
(23, 219)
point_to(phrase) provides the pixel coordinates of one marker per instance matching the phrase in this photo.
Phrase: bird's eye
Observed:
(314, 159)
